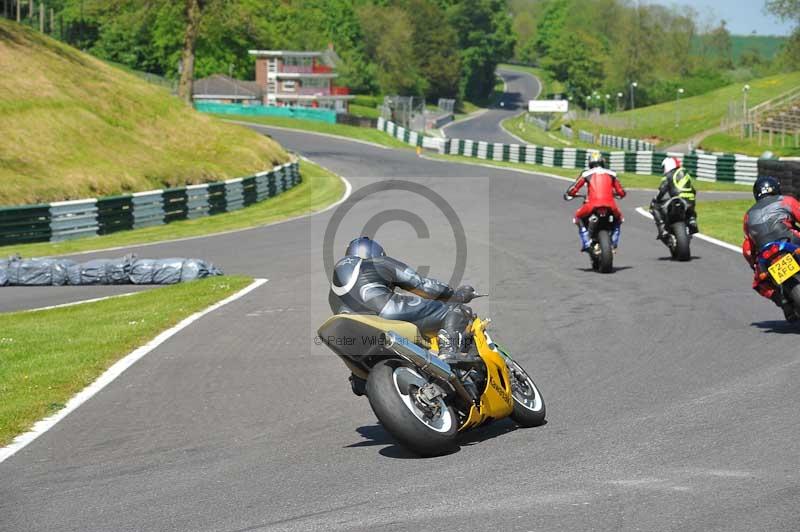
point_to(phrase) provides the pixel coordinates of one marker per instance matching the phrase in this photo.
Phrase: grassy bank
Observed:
(319, 189)
(50, 355)
(727, 143)
(697, 113)
(75, 127)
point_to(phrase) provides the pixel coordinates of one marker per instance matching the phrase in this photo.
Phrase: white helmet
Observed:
(670, 163)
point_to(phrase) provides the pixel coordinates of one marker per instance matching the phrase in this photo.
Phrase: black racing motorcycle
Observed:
(676, 220)
(600, 223)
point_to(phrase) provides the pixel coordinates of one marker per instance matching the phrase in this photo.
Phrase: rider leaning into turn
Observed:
(676, 183)
(364, 282)
(774, 217)
(602, 185)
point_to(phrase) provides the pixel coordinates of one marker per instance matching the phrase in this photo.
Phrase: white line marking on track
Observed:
(498, 167)
(43, 425)
(701, 236)
(73, 303)
(338, 137)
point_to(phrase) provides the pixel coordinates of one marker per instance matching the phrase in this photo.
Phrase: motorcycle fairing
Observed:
(496, 399)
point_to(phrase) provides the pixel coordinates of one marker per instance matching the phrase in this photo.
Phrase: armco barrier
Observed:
(66, 220)
(704, 166)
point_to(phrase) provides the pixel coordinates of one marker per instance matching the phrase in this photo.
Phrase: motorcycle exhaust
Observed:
(426, 361)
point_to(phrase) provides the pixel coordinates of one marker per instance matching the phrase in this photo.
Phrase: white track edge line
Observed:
(348, 189)
(331, 135)
(84, 301)
(108, 376)
(488, 164)
(701, 236)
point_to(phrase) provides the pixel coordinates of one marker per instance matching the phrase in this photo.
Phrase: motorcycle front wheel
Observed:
(681, 249)
(424, 428)
(529, 409)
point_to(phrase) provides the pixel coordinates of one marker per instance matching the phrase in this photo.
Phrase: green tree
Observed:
(573, 61)
(387, 39)
(551, 26)
(718, 42)
(788, 10)
(485, 39)
(435, 48)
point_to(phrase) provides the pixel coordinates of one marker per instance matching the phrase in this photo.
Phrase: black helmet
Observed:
(766, 186)
(596, 159)
(364, 247)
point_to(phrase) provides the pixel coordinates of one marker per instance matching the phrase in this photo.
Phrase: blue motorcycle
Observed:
(779, 261)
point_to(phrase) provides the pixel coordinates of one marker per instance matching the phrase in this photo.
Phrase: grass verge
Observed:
(695, 113)
(360, 133)
(532, 134)
(319, 189)
(50, 355)
(733, 144)
(628, 180)
(722, 219)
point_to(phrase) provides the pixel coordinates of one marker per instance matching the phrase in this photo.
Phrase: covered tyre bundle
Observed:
(101, 271)
(126, 270)
(35, 272)
(3, 272)
(170, 271)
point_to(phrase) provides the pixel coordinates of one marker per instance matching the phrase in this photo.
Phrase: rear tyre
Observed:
(391, 390)
(529, 409)
(681, 251)
(606, 259)
(794, 297)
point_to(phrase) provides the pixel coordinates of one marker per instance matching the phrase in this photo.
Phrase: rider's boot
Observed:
(615, 234)
(358, 385)
(693, 226)
(451, 347)
(661, 226)
(662, 231)
(586, 239)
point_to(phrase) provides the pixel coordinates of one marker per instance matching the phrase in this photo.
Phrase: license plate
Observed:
(784, 269)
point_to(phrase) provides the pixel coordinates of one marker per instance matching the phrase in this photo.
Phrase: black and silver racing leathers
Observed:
(367, 286)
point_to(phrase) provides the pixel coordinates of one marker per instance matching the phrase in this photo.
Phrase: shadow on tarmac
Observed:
(777, 326)
(376, 435)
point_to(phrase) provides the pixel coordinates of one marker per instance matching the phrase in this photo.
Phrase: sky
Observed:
(741, 16)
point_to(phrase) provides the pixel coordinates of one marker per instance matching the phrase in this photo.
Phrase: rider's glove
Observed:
(463, 294)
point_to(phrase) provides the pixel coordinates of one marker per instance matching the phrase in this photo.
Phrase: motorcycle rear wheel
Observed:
(606, 258)
(529, 409)
(391, 389)
(794, 297)
(681, 250)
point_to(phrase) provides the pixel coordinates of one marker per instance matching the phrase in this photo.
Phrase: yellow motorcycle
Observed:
(421, 400)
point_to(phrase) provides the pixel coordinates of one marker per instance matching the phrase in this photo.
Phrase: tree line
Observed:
(430, 48)
(442, 48)
(603, 46)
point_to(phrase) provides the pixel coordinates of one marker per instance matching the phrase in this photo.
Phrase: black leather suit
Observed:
(367, 286)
